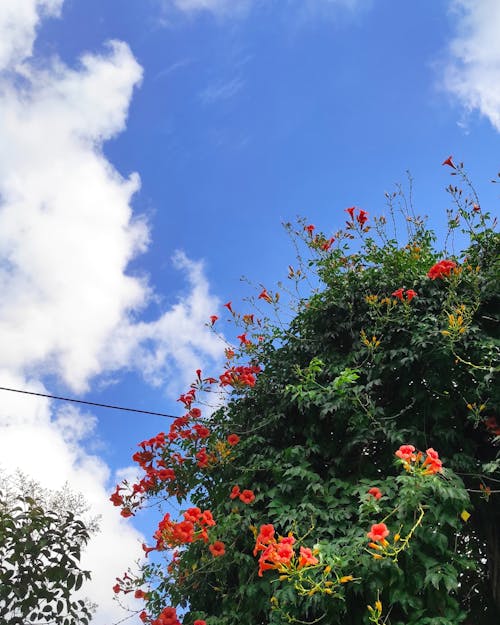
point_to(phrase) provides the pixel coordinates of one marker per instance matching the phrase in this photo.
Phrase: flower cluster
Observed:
(361, 217)
(239, 377)
(440, 269)
(246, 496)
(415, 462)
(319, 241)
(400, 294)
(194, 527)
(280, 554)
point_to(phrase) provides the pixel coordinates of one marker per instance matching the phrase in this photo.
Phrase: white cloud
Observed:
(176, 342)
(66, 227)
(68, 306)
(472, 72)
(18, 22)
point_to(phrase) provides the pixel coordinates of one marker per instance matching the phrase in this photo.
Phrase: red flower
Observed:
(195, 413)
(200, 622)
(265, 296)
(243, 339)
(233, 439)
(139, 594)
(405, 452)
(166, 474)
(432, 453)
(362, 217)
(235, 492)
(126, 512)
(327, 244)
(284, 552)
(309, 229)
(116, 498)
(247, 496)
(201, 430)
(442, 268)
(410, 294)
(143, 616)
(432, 462)
(449, 162)
(351, 211)
(116, 588)
(398, 294)
(147, 549)
(378, 532)
(229, 307)
(375, 492)
(213, 318)
(306, 557)
(202, 458)
(217, 549)
(207, 518)
(476, 208)
(192, 514)
(266, 533)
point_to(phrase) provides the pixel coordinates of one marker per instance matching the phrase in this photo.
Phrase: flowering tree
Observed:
(41, 538)
(352, 474)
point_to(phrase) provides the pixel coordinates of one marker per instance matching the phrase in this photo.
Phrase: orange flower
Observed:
(375, 492)
(217, 549)
(265, 296)
(449, 162)
(362, 217)
(442, 268)
(192, 514)
(306, 557)
(235, 492)
(405, 452)
(378, 532)
(410, 294)
(247, 496)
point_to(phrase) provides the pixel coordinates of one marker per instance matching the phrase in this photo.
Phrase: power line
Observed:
(88, 403)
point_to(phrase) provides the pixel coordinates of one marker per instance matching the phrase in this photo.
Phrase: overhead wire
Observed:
(88, 403)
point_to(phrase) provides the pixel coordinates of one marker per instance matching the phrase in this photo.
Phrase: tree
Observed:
(352, 476)
(41, 538)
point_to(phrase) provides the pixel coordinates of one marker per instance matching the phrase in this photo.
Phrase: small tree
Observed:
(41, 538)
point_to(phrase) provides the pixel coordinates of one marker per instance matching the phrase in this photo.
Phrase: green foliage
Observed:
(40, 549)
(379, 356)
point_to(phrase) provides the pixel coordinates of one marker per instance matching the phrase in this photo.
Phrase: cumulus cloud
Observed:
(69, 305)
(472, 71)
(177, 341)
(18, 23)
(66, 227)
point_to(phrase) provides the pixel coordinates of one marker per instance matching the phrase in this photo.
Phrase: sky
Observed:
(150, 151)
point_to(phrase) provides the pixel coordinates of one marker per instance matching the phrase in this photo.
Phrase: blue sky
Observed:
(140, 179)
